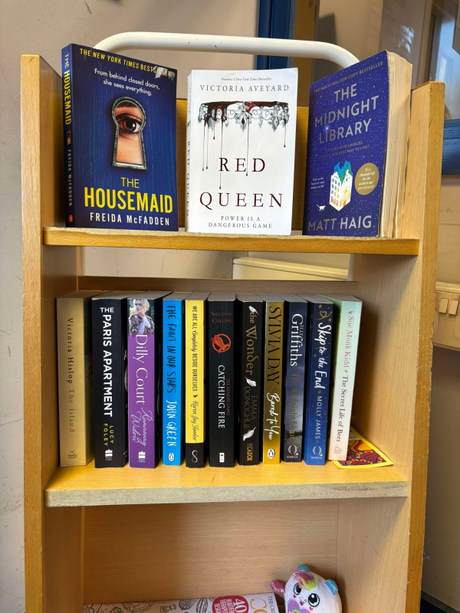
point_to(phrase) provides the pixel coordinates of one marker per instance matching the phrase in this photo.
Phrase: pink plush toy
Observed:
(306, 592)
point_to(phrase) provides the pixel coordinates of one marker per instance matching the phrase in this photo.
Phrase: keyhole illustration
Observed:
(129, 118)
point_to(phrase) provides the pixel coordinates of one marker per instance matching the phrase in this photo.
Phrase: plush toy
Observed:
(307, 592)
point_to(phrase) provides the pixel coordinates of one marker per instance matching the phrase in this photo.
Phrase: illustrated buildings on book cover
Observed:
(220, 379)
(119, 141)
(241, 129)
(273, 378)
(345, 353)
(318, 378)
(195, 365)
(357, 149)
(296, 325)
(75, 378)
(144, 368)
(110, 398)
(173, 378)
(249, 366)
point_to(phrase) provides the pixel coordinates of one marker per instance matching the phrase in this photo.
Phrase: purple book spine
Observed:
(141, 395)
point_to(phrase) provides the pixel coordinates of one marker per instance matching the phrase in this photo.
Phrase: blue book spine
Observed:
(67, 95)
(318, 382)
(173, 386)
(296, 324)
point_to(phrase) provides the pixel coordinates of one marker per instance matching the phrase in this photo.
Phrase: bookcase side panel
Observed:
(161, 552)
(46, 273)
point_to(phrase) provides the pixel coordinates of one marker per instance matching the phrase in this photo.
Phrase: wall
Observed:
(45, 27)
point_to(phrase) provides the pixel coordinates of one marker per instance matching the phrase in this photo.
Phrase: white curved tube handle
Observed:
(229, 44)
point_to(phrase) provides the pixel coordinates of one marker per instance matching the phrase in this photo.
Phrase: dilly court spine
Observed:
(110, 399)
(173, 375)
(67, 98)
(273, 378)
(318, 378)
(195, 364)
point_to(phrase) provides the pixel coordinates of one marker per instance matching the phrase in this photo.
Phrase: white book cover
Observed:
(241, 129)
(345, 353)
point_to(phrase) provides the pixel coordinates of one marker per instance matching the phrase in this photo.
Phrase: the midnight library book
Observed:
(195, 372)
(296, 325)
(110, 397)
(357, 149)
(250, 310)
(173, 397)
(220, 378)
(273, 378)
(318, 378)
(241, 130)
(144, 370)
(119, 141)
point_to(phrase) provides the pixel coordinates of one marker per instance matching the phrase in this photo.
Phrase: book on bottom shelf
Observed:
(173, 378)
(295, 324)
(144, 370)
(195, 369)
(110, 398)
(250, 310)
(318, 378)
(75, 378)
(220, 378)
(348, 318)
(273, 378)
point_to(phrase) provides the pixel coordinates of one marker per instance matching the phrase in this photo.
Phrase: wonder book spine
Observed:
(141, 383)
(67, 102)
(75, 375)
(318, 382)
(173, 388)
(294, 379)
(109, 387)
(273, 373)
(345, 356)
(250, 382)
(195, 424)
(220, 382)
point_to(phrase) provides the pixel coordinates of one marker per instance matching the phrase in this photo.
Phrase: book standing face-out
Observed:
(144, 368)
(110, 398)
(119, 141)
(195, 368)
(241, 129)
(357, 149)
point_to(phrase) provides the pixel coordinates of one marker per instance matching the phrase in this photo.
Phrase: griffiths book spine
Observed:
(294, 380)
(273, 379)
(195, 424)
(109, 390)
(67, 100)
(250, 388)
(220, 383)
(318, 382)
(173, 389)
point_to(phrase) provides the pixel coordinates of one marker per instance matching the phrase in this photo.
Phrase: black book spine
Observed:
(110, 399)
(296, 322)
(221, 410)
(251, 318)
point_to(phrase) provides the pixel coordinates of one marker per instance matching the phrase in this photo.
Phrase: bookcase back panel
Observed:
(160, 552)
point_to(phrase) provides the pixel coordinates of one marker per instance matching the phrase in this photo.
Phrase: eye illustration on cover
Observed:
(129, 118)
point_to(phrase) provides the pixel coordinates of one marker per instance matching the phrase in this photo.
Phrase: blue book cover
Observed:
(119, 141)
(320, 332)
(173, 379)
(347, 142)
(296, 326)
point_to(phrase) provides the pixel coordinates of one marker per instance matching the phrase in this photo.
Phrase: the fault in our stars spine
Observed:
(119, 141)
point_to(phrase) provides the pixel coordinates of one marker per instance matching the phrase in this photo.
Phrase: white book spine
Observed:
(189, 104)
(346, 353)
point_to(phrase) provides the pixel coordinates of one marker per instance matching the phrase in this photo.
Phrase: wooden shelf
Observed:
(144, 239)
(88, 486)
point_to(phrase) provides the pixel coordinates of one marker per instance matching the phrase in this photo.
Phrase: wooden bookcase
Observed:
(124, 534)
